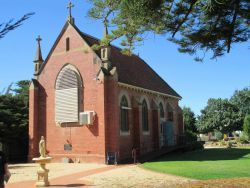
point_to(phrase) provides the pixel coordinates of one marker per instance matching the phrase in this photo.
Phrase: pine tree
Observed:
(197, 26)
(11, 24)
(14, 120)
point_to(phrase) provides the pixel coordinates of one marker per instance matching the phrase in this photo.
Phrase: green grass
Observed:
(205, 164)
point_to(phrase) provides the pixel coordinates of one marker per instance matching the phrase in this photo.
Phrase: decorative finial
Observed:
(70, 18)
(38, 58)
(38, 39)
(106, 50)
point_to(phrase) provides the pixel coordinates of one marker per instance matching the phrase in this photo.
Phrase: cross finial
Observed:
(38, 58)
(70, 6)
(38, 39)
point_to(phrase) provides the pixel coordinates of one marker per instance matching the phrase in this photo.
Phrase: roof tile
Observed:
(133, 70)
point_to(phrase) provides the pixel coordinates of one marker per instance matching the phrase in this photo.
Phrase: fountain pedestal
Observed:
(42, 172)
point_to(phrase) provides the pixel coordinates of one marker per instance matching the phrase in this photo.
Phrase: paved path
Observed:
(71, 180)
(93, 175)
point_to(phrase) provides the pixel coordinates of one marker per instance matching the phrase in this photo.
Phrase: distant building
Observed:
(88, 103)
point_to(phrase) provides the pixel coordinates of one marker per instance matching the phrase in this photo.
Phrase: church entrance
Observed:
(167, 134)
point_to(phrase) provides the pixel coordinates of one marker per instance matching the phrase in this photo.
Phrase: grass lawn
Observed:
(205, 164)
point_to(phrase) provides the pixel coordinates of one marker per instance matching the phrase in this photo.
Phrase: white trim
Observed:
(124, 93)
(161, 101)
(124, 133)
(163, 119)
(146, 133)
(126, 108)
(164, 109)
(144, 97)
(147, 90)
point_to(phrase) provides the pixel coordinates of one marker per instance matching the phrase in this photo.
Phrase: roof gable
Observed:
(54, 46)
(131, 70)
(64, 30)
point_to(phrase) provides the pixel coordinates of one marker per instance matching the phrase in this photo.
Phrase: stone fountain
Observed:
(42, 172)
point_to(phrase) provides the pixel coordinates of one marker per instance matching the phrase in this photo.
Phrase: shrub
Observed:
(246, 126)
(218, 135)
(237, 139)
(197, 145)
(244, 139)
(223, 143)
(190, 136)
(229, 144)
(225, 137)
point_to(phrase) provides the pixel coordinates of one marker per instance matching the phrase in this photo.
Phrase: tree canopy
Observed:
(241, 98)
(197, 26)
(189, 119)
(246, 126)
(220, 115)
(22, 90)
(14, 120)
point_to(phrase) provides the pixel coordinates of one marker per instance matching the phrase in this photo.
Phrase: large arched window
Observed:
(161, 111)
(144, 116)
(67, 97)
(124, 114)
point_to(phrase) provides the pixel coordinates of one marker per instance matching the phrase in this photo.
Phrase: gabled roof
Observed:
(133, 70)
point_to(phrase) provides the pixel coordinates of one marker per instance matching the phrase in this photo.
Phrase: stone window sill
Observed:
(145, 132)
(124, 133)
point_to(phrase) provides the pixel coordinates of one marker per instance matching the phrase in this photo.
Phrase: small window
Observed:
(67, 44)
(170, 116)
(144, 116)
(104, 53)
(170, 113)
(36, 67)
(124, 114)
(161, 111)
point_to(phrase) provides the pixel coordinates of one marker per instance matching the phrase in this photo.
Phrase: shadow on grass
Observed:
(207, 155)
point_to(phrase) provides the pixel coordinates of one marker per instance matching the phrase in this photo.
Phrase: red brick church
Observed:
(89, 104)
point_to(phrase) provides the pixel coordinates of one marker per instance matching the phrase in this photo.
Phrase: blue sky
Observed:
(195, 82)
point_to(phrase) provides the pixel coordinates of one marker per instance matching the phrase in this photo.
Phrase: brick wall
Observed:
(90, 143)
(144, 142)
(33, 121)
(111, 115)
(86, 140)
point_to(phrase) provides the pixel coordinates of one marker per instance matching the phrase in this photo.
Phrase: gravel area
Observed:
(134, 176)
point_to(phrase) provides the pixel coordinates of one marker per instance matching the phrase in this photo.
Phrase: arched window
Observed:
(124, 114)
(67, 97)
(170, 113)
(144, 116)
(161, 111)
